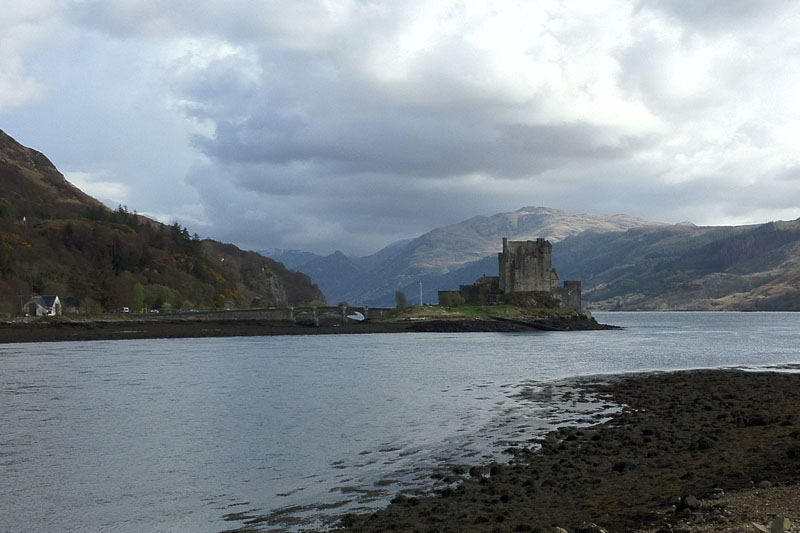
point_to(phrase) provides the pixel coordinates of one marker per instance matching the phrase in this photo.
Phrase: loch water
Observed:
(287, 433)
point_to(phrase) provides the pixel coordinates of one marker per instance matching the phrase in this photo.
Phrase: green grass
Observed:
(436, 312)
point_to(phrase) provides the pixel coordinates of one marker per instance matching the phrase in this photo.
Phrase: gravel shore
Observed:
(705, 450)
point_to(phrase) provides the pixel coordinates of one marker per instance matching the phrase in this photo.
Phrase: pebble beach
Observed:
(701, 450)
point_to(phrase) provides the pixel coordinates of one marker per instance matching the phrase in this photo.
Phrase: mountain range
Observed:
(624, 263)
(442, 258)
(55, 239)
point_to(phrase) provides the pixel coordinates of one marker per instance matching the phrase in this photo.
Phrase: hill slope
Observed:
(55, 239)
(682, 267)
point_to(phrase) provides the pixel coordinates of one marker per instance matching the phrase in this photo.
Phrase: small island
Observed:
(526, 295)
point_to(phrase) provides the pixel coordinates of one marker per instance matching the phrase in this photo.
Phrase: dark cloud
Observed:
(410, 143)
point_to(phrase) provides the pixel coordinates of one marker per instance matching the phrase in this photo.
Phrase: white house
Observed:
(45, 305)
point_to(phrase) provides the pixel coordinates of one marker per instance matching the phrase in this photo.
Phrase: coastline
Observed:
(698, 450)
(60, 330)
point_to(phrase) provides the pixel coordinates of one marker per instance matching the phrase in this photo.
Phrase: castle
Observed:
(525, 270)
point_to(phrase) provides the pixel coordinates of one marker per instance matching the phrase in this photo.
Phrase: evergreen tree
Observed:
(401, 302)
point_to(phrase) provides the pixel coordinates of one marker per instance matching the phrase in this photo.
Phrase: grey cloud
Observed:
(789, 174)
(440, 121)
(224, 94)
(156, 20)
(414, 146)
(358, 217)
(353, 213)
(311, 26)
(644, 75)
(721, 17)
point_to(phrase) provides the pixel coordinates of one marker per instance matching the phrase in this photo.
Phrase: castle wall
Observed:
(570, 294)
(483, 292)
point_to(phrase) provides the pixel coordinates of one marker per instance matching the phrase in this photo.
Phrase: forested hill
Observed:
(55, 239)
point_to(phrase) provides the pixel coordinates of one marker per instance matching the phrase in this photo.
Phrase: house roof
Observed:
(45, 300)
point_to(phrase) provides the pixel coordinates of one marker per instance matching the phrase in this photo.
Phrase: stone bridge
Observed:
(329, 315)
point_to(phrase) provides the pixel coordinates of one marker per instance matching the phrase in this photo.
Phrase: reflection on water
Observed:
(209, 434)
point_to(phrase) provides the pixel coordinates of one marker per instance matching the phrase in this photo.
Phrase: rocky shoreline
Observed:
(57, 330)
(706, 450)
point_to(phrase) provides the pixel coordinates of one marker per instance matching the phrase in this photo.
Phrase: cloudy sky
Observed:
(348, 124)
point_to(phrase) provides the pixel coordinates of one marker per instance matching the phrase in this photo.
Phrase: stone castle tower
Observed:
(526, 266)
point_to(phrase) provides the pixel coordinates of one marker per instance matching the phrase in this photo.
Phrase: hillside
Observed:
(443, 257)
(682, 267)
(55, 239)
